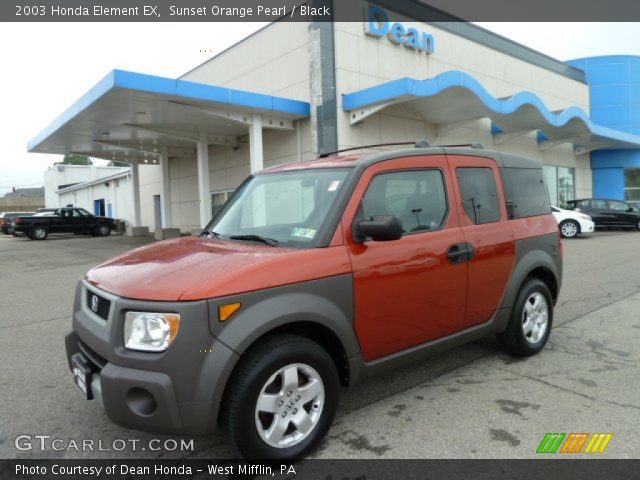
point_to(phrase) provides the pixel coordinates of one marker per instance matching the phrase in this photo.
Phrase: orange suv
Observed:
(315, 275)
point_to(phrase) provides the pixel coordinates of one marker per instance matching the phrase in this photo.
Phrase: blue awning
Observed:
(455, 96)
(130, 117)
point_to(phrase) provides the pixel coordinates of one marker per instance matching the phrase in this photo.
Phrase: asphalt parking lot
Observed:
(471, 402)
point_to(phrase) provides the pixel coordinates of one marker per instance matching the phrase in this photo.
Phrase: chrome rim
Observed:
(289, 405)
(569, 229)
(39, 233)
(104, 230)
(535, 317)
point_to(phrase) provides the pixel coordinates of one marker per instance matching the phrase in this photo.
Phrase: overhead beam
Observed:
(547, 144)
(584, 149)
(184, 135)
(241, 118)
(502, 137)
(361, 114)
(130, 147)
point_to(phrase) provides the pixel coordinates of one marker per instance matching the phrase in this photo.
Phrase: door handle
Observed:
(460, 253)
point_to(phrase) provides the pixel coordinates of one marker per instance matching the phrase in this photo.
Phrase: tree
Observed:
(73, 159)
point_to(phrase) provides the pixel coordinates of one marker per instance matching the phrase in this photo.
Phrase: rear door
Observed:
(483, 220)
(600, 213)
(411, 290)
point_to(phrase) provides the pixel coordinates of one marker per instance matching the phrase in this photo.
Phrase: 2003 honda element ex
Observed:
(312, 276)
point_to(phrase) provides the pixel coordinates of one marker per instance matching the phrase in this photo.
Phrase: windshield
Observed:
(280, 209)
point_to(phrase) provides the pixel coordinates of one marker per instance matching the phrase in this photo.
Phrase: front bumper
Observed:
(587, 226)
(178, 391)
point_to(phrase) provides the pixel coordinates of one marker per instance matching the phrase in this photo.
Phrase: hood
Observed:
(194, 268)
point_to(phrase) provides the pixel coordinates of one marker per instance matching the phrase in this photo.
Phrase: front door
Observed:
(411, 290)
(600, 213)
(622, 213)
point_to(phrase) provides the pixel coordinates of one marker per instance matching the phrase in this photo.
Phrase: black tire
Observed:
(638, 224)
(254, 370)
(569, 228)
(102, 230)
(39, 232)
(513, 339)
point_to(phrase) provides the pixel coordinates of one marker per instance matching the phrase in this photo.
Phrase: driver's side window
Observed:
(417, 197)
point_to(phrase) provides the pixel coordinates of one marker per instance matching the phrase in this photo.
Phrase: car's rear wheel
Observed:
(38, 233)
(103, 230)
(531, 319)
(281, 399)
(569, 228)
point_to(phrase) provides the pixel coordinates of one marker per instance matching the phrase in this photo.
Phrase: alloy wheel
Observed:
(289, 405)
(535, 317)
(569, 229)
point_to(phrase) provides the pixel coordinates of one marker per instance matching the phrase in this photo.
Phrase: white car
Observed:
(572, 223)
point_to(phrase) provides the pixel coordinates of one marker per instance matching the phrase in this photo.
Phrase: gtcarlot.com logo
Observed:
(574, 443)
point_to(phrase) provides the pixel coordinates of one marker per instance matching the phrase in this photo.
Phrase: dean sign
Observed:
(378, 25)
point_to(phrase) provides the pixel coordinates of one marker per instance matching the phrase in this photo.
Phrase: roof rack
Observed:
(328, 154)
(468, 145)
(418, 144)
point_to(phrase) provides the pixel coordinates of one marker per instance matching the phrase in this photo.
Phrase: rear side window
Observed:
(417, 197)
(527, 192)
(619, 206)
(479, 194)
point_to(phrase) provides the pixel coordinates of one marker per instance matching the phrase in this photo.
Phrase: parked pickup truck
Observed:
(63, 220)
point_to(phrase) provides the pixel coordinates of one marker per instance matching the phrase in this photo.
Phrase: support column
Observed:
(135, 186)
(204, 187)
(165, 189)
(256, 154)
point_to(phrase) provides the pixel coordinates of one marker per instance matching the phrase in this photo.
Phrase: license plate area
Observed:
(82, 374)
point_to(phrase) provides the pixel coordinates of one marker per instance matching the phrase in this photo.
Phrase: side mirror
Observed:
(380, 228)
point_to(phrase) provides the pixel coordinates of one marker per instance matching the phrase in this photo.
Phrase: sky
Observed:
(50, 65)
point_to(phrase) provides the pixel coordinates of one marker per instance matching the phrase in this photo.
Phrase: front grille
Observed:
(96, 361)
(98, 305)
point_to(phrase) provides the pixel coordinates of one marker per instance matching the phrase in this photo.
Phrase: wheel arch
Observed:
(537, 257)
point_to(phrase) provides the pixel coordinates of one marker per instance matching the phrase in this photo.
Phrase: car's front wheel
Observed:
(281, 399)
(569, 229)
(531, 318)
(103, 230)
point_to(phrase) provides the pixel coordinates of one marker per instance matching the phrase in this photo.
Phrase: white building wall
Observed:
(57, 175)
(273, 61)
(363, 61)
(117, 193)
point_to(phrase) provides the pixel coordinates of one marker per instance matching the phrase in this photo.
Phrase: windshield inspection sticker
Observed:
(303, 233)
(333, 186)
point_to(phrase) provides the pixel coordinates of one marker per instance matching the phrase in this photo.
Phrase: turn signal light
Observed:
(225, 311)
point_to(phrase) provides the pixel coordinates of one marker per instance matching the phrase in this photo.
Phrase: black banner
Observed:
(317, 10)
(577, 469)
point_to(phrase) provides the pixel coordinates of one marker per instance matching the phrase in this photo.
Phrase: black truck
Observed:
(63, 220)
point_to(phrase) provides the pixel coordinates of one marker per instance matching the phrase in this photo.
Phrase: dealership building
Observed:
(293, 90)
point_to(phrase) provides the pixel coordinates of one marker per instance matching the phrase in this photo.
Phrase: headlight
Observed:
(150, 332)
(584, 217)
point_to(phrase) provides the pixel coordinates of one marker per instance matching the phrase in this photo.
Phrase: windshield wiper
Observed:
(206, 233)
(256, 238)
